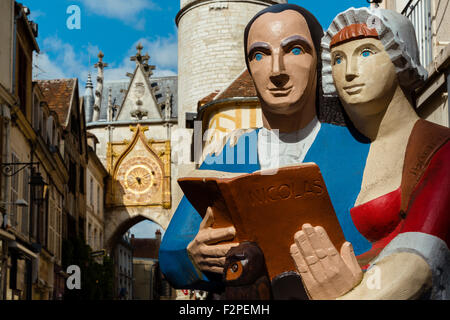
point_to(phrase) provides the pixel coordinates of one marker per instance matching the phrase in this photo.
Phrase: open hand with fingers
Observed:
(205, 250)
(326, 273)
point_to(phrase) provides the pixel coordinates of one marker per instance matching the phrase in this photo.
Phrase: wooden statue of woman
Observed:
(371, 61)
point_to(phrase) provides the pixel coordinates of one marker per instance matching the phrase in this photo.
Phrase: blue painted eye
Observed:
(366, 53)
(258, 56)
(296, 51)
(339, 60)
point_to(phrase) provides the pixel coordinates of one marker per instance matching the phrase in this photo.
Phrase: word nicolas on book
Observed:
(306, 189)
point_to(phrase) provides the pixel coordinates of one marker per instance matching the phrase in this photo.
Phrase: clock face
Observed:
(141, 179)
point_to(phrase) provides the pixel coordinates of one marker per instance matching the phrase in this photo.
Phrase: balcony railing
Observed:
(419, 12)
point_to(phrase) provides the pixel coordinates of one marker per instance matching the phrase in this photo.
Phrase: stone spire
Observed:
(89, 99)
(100, 65)
(110, 106)
(143, 60)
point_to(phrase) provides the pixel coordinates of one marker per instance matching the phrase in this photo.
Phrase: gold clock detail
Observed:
(141, 180)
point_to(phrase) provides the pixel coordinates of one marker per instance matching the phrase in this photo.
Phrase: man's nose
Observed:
(278, 75)
(351, 69)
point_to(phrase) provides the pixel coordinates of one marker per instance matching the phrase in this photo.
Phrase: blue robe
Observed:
(341, 156)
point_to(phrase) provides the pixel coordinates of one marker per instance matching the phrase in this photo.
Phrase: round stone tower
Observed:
(211, 46)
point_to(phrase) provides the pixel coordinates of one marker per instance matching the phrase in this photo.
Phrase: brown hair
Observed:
(352, 32)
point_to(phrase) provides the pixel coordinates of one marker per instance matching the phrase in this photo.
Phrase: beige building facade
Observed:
(30, 150)
(431, 19)
(96, 176)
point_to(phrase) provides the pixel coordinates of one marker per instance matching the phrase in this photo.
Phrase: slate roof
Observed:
(120, 87)
(58, 94)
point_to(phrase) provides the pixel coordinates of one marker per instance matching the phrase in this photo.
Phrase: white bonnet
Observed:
(396, 33)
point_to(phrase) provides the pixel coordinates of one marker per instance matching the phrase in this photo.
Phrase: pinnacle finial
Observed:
(89, 83)
(138, 57)
(139, 48)
(100, 62)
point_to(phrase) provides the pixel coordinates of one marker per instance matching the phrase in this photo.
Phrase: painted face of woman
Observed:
(363, 73)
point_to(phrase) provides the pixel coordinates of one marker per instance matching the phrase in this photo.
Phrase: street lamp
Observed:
(38, 188)
(37, 183)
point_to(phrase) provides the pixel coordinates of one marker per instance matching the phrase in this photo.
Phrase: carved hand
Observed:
(205, 251)
(326, 273)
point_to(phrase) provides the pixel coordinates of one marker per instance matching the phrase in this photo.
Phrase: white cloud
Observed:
(163, 54)
(61, 60)
(163, 51)
(45, 69)
(127, 11)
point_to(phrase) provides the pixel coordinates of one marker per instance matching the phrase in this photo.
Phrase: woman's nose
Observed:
(351, 70)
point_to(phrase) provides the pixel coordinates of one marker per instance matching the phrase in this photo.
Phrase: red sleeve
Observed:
(429, 210)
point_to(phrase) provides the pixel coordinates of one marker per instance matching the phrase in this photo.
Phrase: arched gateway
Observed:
(139, 187)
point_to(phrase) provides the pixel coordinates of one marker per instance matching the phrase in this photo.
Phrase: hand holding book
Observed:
(265, 209)
(205, 251)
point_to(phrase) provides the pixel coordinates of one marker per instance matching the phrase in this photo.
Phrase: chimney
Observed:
(158, 235)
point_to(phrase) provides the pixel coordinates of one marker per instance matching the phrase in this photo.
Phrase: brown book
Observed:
(266, 209)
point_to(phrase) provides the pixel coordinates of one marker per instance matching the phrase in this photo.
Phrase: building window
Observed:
(58, 231)
(36, 110)
(91, 191)
(95, 239)
(44, 127)
(72, 177)
(26, 196)
(99, 204)
(419, 12)
(14, 192)
(82, 178)
(52, 222)
(43, 222)
(89, 234)
(22, 79)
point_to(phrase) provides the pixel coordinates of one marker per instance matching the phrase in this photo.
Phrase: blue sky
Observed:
(115, 27)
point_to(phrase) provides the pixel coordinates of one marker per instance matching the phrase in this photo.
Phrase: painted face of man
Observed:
(282, 61)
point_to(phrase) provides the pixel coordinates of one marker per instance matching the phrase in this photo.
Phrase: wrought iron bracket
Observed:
(10, 170)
